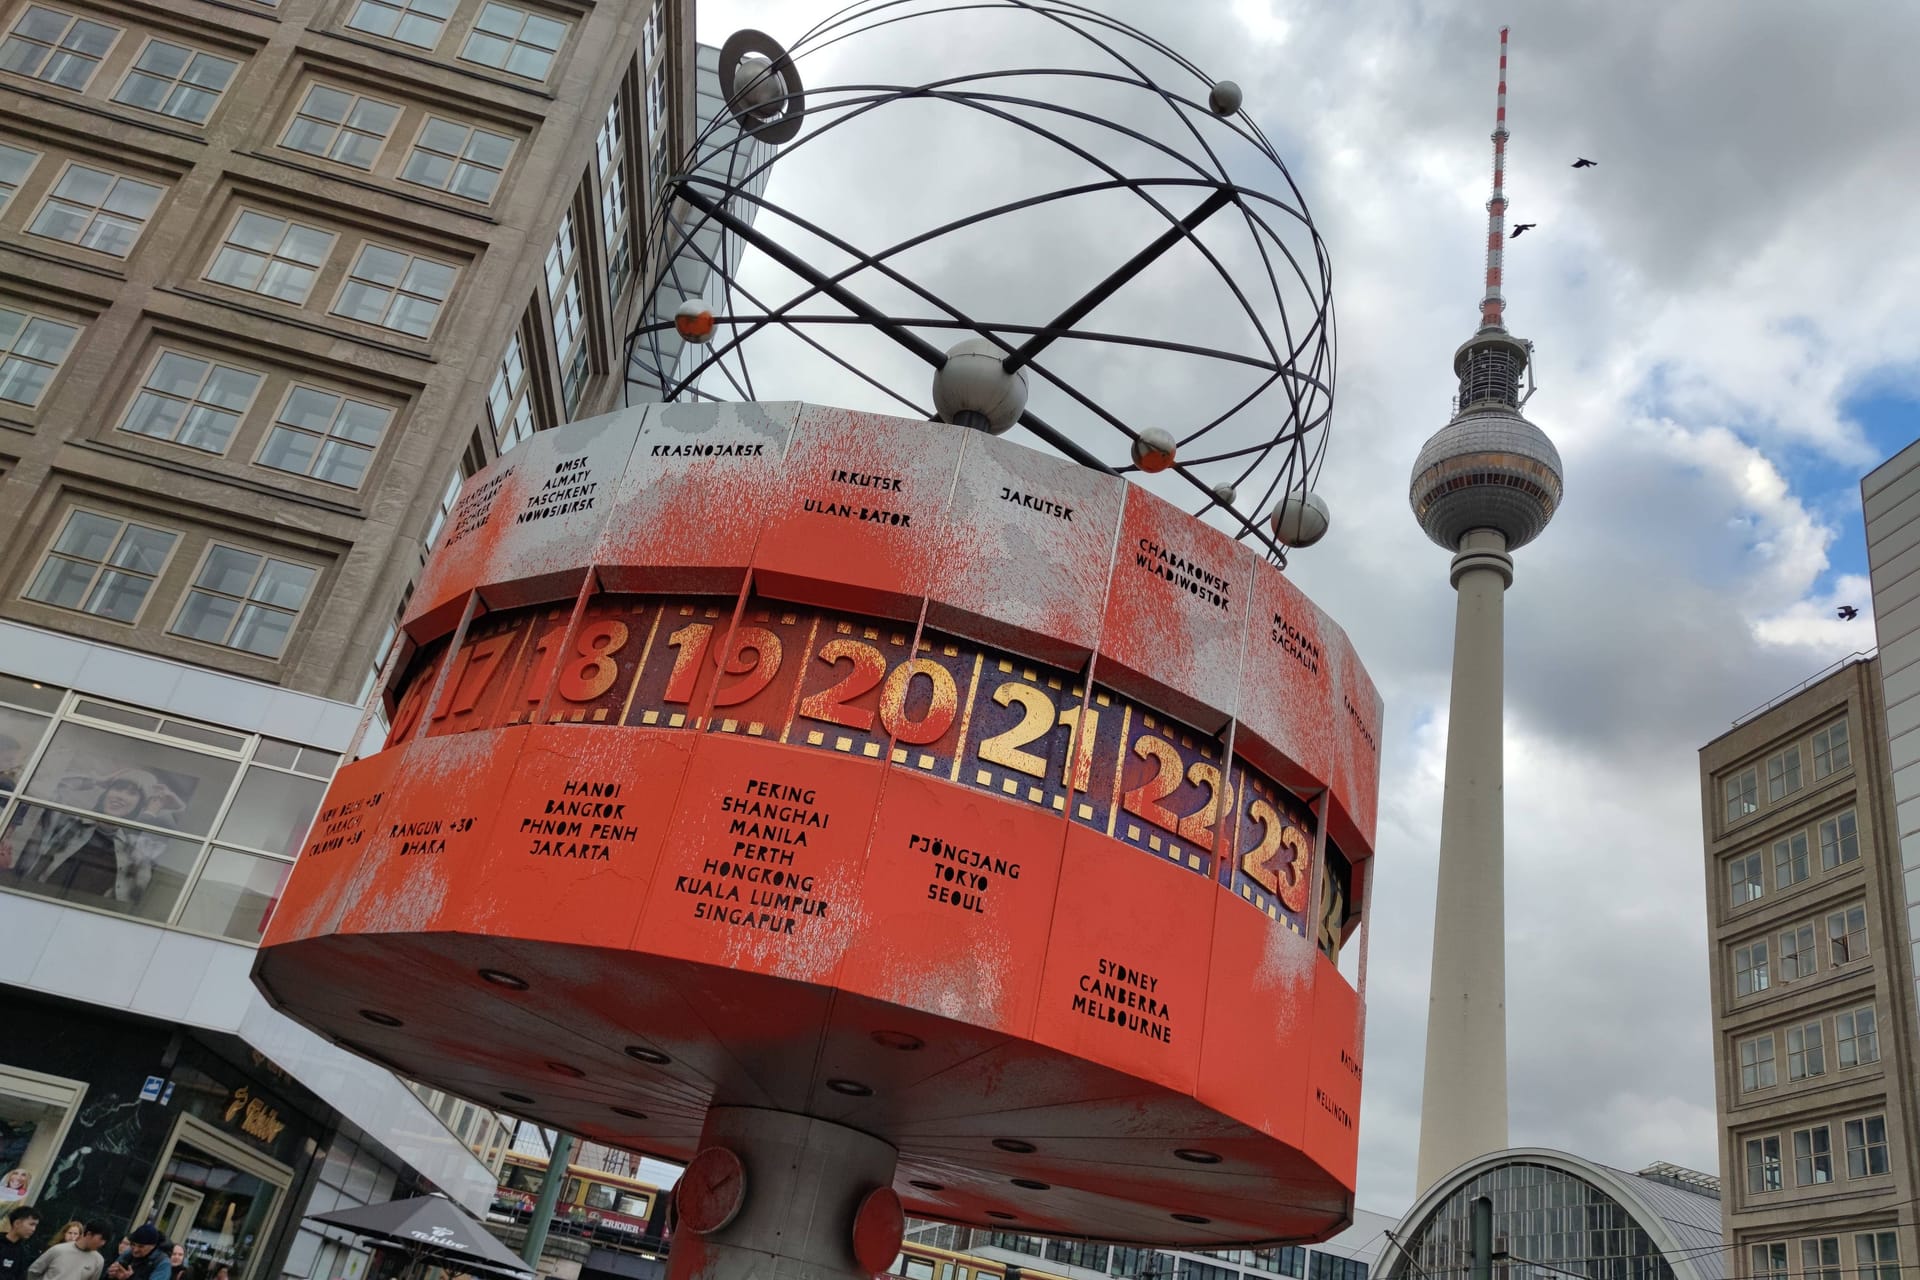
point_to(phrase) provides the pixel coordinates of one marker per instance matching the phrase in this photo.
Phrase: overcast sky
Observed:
(1726, 310)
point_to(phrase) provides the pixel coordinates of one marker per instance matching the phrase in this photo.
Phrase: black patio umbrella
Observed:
(431, 1229)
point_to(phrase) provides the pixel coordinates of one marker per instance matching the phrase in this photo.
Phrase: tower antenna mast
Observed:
(1493, 305)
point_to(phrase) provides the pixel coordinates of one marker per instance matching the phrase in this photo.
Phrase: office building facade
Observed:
(1890, 501)
(274, 276)
(1814, 1042)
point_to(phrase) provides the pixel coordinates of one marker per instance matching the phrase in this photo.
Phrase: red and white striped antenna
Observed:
(1494, 304)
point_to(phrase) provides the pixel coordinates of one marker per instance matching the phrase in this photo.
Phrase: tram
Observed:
(608, 1208)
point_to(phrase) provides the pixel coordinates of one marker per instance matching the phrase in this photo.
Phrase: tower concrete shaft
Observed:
(1463, 1109)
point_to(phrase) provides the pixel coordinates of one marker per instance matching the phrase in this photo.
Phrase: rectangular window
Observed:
(1763, 1165)
(329, 437)
(569, 320)
(1750, 969)
(102, 566)
(1856, 1036)
(459, 159)
(40, 1110)
(56, 46)
(1756, 1064)
(1812, 1156)
(380, 650)
(395, 290)
(608, 150)
(449, 496)
(21, 720)
(1798, 958)
(244, 601)
(31, 350)
(613, 221)
(338, 125)
(272, 256)
(234, 894)
(173, 80)
(15, 164)
(1847, 934)
(615, 211)
(1806, 1052)
(96, 210)
(1866, 1147)
(191, 401)
(415, 22)
(1770, 1260)
(509, 408)
(1742, 794)
(514, 41)
(560, 255)
(1820, 1258)
(1831, 751)
(568, 299)
(277, 798)
(1839, 840)
(118, 821)
(1783, 774)
(1878, 1253)
(1743, 878)
(1790, 862)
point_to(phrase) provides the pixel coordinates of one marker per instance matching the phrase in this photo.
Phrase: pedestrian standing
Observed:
(79, 1260)
(16, 1246)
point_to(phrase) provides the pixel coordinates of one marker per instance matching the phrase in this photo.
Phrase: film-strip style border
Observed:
(876, 689)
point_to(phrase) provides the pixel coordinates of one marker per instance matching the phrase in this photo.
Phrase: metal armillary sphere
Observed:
(1108, 248)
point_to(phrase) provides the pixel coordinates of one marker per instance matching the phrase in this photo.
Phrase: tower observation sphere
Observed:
(1489, 468)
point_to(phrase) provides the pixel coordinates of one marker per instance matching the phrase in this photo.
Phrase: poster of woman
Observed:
(90, 855)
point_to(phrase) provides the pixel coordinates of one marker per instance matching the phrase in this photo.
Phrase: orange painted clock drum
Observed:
(774, 756)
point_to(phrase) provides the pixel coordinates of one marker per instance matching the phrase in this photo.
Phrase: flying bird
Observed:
(1584, 163)
(1847, 612)
(1522, 226)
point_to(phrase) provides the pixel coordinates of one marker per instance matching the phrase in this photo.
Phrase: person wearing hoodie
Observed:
(146, 1257)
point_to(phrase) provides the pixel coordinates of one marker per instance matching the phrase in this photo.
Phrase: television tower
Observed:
(1484, 485)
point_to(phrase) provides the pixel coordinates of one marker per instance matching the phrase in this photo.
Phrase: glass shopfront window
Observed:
(121, 809)
(35, 1111)
(216, 1198)
(25, 712)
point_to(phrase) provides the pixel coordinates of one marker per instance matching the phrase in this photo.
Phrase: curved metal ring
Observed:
(783, 127)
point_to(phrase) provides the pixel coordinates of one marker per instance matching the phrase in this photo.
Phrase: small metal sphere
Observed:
(974, 389)
(693, 321)
(1490, 469)
(1224, 98)
(1300, 520)
(765, 89)
(761, 87)
(1154, 450)
(1224, 494)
